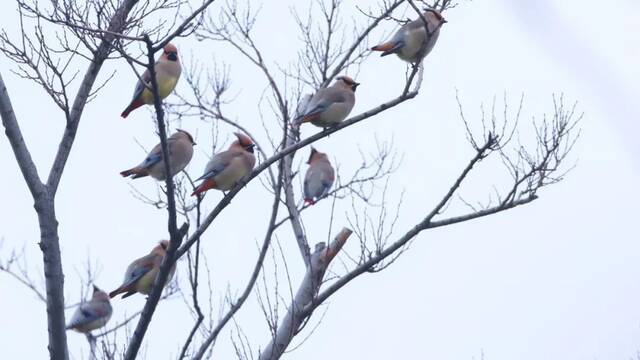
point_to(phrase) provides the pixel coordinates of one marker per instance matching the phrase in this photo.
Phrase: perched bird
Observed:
(167, 70)
(92, 314)
(331, 105)
(142, 272)
(411, 42)
(319, 178)
(180, 146)
(225, 168)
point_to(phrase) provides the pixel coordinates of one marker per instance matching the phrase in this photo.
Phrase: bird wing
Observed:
(155, 155)
(323, 99)
(139, 268)
(307, 182)
(218, 163)
(86, 313)
(140, 86)
(327, 177)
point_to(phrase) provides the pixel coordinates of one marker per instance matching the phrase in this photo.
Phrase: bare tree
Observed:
(97, 31)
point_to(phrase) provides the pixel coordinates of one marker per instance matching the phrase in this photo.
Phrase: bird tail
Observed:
(204, 186)
(308, 118)
(120, 290)
(135, 173)
(387, 48)
(134, 105)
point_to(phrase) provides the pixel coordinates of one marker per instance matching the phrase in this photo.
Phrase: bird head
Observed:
(185, 133)
(170, 52)
(99, 294)
(316, 155)
(244, 142)
(161, 248)
(347, 82)
(434, 15)
(164, 244)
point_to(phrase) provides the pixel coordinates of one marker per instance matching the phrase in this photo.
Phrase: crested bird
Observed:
(319, 177)
(142, 272)
(167, 70)
(411, 42)
(227, 167)
(92, 314)
(331, 105)
(180, 146)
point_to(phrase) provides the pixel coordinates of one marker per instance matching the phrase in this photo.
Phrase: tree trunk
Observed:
(54, 277)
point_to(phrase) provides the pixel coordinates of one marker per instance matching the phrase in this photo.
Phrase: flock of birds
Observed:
(328, 107)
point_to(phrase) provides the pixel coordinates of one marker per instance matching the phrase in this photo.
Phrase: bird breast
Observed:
(238, 167)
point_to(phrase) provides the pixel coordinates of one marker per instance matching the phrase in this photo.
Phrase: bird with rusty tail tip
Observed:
(142, 272)
(412, 42)
(180, 146)
(167, 70)
(330, 106)
(226, 168)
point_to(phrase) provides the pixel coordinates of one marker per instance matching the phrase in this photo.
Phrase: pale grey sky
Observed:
(556, 279)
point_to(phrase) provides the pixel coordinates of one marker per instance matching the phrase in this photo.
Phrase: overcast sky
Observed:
(556, 279)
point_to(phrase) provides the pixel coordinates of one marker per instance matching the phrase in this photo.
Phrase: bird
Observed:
(331, 105)
(167, 70)
(142, 272)
(411, 42)
(180, 146)
(319, 177)
(92, 314)
(225, 168)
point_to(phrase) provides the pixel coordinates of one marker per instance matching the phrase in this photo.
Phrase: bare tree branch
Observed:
(320, 260)
(254, 275)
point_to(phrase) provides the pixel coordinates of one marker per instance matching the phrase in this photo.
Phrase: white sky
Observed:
(556, 279)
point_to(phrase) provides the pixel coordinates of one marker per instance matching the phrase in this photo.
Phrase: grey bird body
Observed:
(319, 177)
(331, 105)
(180, 146)
(233, 165)
(167, 69)
(225, 168)
(141, 273)
(92, 314)
(411, 42)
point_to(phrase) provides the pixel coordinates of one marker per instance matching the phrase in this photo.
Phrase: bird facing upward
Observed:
(319, 177)
(167, 70)
(92, 314)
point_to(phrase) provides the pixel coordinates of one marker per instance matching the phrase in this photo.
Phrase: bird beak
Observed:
(173, 56)
(444, 21)
(354, 86)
